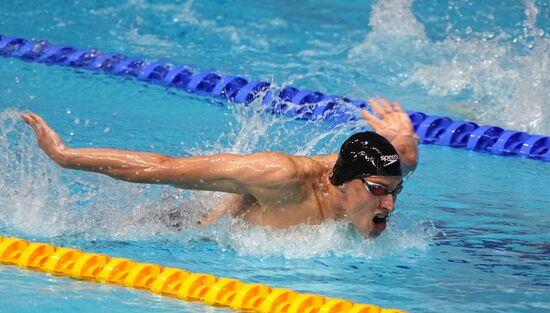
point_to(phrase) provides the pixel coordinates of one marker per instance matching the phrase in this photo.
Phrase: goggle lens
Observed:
(380, 190)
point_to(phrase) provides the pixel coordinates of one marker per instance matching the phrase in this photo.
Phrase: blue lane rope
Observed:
(289, 101)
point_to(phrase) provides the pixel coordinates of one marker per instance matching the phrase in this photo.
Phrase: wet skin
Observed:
(269, 188)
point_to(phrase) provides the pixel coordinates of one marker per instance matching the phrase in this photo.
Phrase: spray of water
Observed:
(495, 74)
(41, 199)
(27, 181)
(331, 238)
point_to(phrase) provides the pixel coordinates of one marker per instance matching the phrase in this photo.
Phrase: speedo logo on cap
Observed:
(389, 159)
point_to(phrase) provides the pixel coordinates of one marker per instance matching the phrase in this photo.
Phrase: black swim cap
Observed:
(365, 154)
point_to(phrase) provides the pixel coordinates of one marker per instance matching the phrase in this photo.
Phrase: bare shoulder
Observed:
(326, 160)
(270, 175)
(277, 175)
(313, 166)
(275, 166)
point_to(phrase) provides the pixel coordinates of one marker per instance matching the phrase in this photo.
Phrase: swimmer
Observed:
(359, 184)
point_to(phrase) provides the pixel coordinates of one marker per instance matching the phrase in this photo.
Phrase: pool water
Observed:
(470, 231)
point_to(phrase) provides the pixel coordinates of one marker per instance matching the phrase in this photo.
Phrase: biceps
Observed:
(231, 173)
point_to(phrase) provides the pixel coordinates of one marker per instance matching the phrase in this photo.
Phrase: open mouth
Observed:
(379, 221)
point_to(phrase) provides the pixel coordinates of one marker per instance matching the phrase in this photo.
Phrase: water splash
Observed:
(405, 38)
(332, 238)
(256, 129)
(475, 72)
(27, 181)
(39, 198)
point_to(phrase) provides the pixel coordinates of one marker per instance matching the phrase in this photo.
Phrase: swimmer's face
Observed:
(367, 211)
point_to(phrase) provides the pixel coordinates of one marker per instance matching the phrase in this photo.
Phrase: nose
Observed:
(388, 202)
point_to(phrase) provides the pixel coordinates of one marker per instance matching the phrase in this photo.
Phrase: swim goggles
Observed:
(380, 190)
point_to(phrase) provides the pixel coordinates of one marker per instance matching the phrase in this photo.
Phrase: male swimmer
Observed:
(359, 184)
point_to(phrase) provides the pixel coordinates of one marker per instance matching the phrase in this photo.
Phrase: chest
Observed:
(284, 214)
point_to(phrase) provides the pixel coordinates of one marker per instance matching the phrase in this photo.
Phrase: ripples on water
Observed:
(482, 61)
(469, 227)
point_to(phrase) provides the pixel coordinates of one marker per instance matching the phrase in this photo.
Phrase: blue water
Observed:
(470, 232)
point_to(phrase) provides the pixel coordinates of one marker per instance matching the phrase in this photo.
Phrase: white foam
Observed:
(28, 182)
(392, 24)
(505, 79)
(41, 199)
(332, 238)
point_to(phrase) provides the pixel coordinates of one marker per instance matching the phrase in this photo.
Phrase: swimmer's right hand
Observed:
(47, 138)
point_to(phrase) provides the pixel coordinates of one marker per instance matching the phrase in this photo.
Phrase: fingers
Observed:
(33, 120)
(26, 117)
(377, 108)
(384, 108)
(397, 106)
(371, 119)
(38, 119)
(41, 130)
(29, 119)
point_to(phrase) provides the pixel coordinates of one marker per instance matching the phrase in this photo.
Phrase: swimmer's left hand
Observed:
(396, 126)
(393, 122)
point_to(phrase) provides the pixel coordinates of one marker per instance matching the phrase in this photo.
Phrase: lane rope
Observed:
(288, 101)
(172, 282)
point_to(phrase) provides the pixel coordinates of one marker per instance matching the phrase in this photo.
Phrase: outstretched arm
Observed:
(224, 172)
(395, 125)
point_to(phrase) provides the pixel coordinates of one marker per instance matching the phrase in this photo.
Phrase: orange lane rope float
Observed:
(172, 282)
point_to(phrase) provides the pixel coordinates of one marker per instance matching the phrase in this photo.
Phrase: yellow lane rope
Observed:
(172, 282)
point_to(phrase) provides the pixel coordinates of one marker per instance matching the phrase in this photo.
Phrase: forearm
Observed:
(120, 164)
(407, 147)
(198, 173)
